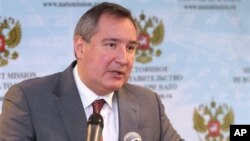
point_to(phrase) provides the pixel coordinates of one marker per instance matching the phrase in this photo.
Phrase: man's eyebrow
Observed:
(118, 40)
(110, 39)
(134, 42)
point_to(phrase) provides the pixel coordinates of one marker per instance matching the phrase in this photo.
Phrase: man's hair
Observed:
(87, 24)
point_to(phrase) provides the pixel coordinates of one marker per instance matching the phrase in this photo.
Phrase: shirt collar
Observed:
(87, 95)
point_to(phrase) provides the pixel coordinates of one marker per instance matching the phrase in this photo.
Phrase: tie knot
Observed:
(97, 105)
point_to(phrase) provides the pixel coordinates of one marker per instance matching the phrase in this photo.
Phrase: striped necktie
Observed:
(97, 105)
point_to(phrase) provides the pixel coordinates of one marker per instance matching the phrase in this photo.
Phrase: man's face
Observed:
(106, 61)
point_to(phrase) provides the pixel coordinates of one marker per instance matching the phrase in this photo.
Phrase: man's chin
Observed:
(115, 87)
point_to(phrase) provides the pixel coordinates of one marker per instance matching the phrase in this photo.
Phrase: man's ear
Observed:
(79, 45)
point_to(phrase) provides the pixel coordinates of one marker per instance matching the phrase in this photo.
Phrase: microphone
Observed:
(132, 136)
(94, 127)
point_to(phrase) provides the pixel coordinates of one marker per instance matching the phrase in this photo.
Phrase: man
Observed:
(56, 107)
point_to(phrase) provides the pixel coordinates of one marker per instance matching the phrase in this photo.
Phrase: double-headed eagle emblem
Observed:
(151, 33)
(213, 122)
(10, 36)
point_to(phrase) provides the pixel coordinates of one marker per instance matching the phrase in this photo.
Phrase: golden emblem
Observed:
(10, 36)
(151, 33)
(212, 122)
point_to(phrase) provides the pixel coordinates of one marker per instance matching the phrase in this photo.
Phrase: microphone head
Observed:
(94, 127)
(95, 119)
(132, 136)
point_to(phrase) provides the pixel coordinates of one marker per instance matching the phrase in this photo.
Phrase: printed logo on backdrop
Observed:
(151, 33)
(212, 122)
(10, 36)
(154, 77)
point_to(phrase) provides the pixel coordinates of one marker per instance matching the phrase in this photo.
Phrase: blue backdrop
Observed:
(195, 54)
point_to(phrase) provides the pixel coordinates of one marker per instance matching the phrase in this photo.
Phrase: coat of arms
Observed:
(10, 36)
(151, 33)
(212, 122)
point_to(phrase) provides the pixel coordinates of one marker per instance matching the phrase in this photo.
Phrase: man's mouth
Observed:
(117, 72)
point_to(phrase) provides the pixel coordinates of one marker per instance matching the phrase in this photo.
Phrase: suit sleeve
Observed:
(15, 120)
(168, 133)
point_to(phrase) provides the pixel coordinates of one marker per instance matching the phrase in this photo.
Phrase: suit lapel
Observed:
(128, 112)
(70, 107)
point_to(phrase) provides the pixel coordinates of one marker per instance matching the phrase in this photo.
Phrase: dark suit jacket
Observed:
(49, 109)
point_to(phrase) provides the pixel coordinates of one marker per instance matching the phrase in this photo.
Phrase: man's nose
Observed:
(122, 55)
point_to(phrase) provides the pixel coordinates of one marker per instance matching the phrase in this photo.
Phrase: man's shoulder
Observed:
(138, 90)
(38, 82)
(49, 79)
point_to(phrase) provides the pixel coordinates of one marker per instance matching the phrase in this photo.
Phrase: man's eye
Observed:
(131, 48)
(111, 45)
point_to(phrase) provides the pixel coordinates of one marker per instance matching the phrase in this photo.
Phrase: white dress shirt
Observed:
(109, 111)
